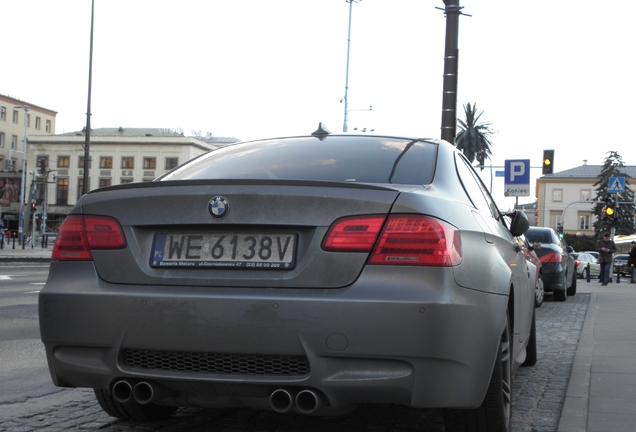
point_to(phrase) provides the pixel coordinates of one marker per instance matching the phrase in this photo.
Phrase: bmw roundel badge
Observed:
(218, 207)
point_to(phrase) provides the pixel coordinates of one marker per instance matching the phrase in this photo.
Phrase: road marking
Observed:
(33, 292)
(6, 277)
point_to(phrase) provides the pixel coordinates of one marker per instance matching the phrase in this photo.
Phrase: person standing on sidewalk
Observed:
(606, 249)
(631, 262)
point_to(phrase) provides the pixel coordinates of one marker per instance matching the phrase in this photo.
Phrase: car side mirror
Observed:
(519, 222)
(570, 249)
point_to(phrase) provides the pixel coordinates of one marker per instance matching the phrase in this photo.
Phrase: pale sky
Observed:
(547, 74)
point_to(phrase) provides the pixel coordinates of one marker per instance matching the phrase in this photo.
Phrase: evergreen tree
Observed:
(473, 138)
(624, 223)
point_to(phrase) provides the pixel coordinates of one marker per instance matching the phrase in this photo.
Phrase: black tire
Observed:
(572, 289)
(539, 292)
(495, 412)
(531, 349)
(585, 272)
(131, 410)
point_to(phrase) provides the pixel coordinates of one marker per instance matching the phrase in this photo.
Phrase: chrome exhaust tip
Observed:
(122, 391)
(281, 401)
(308, 401)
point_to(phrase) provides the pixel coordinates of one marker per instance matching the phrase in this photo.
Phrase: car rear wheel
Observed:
(539, 292)
(572, 289)
(495, 412)
(131, 410)
(584, 273)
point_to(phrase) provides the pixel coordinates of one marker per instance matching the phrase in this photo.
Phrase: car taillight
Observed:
(417, 240)
(353, 234)
(551, 257)
(577, 263)
(80, 234)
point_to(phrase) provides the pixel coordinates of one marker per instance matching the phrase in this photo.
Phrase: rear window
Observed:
(335, 158)
(541, 236)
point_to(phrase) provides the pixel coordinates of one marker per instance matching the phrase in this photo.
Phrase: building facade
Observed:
(17, 119)
(568, 198)
(55, 165)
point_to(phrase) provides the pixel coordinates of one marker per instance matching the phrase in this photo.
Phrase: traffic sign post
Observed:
(517, 177)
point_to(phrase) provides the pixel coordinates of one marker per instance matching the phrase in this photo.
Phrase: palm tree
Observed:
(473, 138)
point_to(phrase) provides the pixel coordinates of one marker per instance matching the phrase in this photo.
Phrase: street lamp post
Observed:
(22, 189)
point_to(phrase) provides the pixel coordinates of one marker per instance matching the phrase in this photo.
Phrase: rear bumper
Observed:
(380, 340)
(553, 277)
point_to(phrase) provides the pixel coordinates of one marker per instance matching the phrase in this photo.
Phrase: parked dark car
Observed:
(620, 265)
(306, 274)
(529, 251)
(558, 267)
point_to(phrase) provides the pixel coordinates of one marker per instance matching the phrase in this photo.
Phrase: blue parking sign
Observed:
(517, 177)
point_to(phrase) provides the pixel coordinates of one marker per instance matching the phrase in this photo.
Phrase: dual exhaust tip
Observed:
(305, 401)
(281, 400)
(142, 392)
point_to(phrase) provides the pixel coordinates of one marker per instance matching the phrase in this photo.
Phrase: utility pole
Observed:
(451, 52)
(87, 142)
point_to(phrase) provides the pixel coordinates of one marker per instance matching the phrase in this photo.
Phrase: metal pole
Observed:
(22, 188)
(449, 99)
(345, 127)
(88, 110)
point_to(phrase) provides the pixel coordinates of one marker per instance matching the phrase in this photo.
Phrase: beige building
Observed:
(117, 156)
(567, 197)
(39, 121)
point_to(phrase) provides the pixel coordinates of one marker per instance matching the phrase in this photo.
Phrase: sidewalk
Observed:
(14, 253)
(601, 394)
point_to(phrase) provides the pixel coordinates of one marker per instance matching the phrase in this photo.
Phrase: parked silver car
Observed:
(304, 274)
(587, 265)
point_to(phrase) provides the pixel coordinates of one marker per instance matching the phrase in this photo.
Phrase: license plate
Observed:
(225, 250)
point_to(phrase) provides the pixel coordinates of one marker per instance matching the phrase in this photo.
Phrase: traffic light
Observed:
(560, 230)
(34, 206)
(548, 161)
(42, 166)
(609, 211)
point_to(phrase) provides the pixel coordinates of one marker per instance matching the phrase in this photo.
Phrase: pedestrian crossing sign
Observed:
(616, 185)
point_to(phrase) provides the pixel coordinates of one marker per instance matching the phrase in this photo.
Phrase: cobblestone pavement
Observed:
(538, 395)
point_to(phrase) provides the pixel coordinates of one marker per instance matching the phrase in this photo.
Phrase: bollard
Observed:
(633, 279)
(589, 270)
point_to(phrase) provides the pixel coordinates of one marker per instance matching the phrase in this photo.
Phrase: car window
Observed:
(336, 158)
(475, 189)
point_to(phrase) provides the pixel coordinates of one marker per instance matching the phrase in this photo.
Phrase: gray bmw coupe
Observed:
(304, 274)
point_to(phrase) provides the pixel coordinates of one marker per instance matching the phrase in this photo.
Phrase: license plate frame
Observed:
(224, 250)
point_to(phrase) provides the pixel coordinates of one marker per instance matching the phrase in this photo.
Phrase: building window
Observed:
(126, 180)
(3, 113)
(15, 116)
(584, 221)
(171, 162)
(62, 191)
(103, 182)
(127, 162)
(81, 162)
(28, 119)
(586, 194)
(14, 142)
(1, 139)
(37, 123)
(150, 163)
(557, 195)
(48, 125)
(63, 161)
(106, 162)
(555, 219)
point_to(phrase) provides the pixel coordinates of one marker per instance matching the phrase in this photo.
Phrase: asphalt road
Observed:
(23, 370)
(29, 401)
